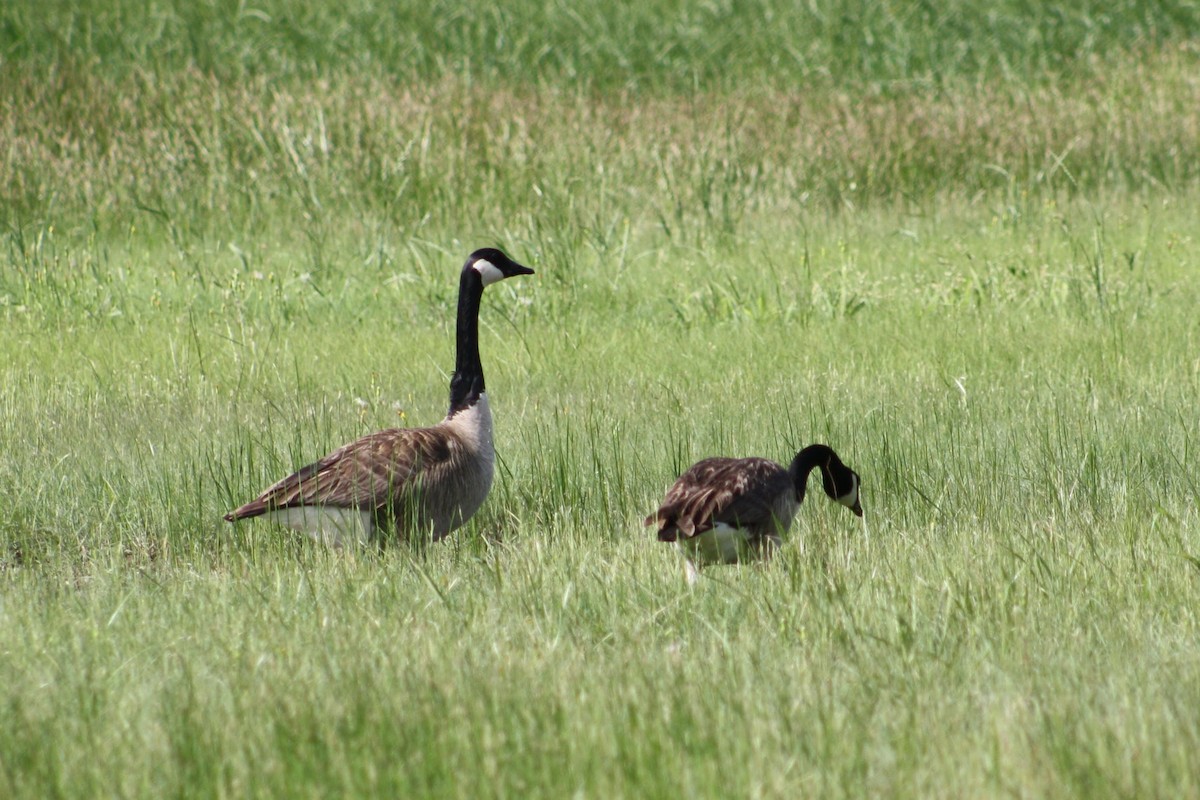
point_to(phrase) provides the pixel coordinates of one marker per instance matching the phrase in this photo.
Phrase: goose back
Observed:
(753, 494)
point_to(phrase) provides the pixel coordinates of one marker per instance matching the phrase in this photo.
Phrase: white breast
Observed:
(473, 426)
(463, 491)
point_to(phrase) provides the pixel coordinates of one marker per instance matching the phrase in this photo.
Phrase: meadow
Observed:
(957, 243)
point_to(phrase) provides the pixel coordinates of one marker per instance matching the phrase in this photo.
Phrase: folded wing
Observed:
(369, 473)
(739, 492)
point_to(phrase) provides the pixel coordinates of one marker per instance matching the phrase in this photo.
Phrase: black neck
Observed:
(808, 459)
(467, 382)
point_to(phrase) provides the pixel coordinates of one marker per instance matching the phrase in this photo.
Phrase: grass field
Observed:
(959, 245)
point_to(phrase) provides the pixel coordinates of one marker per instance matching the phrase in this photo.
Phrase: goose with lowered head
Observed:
(728, 510)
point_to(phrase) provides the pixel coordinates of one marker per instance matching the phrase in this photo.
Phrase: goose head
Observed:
(493, 265)
(841, 484)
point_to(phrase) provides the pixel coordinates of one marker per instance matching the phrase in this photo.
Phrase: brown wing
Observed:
(738, 491)
(367, 473)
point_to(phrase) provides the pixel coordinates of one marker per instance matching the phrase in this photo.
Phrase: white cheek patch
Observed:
(850, 497)
(488, 271)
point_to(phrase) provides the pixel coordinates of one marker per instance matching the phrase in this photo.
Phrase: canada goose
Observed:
(410, 481)
(726, 510)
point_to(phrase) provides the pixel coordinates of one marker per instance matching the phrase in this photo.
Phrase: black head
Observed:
(841, 483)
(493, 265)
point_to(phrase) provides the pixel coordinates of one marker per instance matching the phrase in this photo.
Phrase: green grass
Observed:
(221, 261)
(657, 46)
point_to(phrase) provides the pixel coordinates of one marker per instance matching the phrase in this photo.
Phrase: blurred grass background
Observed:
(955, 242)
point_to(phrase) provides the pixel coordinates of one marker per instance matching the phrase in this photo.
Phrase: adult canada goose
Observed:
(726, 510)
(411, 481)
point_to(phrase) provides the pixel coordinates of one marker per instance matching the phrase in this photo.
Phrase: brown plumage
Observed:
(725, 510)
(751, 493)
(420, 483)
(384, 474)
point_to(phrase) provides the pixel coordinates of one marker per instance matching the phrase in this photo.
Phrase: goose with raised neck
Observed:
(414, 483)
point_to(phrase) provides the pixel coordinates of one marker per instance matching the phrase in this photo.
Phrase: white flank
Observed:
(488, 271)
(724, 544)
(335, 527)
